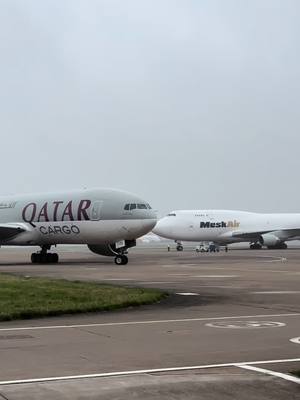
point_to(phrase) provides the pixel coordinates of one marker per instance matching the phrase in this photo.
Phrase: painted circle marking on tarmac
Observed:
(245, 324)
(295, 340)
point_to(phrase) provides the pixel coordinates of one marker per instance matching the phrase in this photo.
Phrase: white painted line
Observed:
(278, 292)
(288, 272)
(280, 259)
(188, 294)
(162, 321)
(284, 360)
(295, 340)
(286, 377)
(143, 371)
(274, 258)
(215, 276)
(117, 279)
(229, 286)
(154, 282)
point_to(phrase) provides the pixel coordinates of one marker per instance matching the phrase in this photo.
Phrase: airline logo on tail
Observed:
(222, 224)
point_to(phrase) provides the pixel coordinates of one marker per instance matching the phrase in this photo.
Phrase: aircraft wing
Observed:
(9, 231)
(250, 235)
(289, 233)
(254, 235)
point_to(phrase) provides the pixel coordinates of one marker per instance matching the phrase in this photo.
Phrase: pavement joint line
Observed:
(215, 276)
(278, 292)
(163, 321)
(144, 371)
(155, 282)
(281, 375)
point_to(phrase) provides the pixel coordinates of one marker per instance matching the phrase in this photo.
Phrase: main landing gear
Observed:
(255, 246)
(179, 246)
(43, 257)
(121, 259)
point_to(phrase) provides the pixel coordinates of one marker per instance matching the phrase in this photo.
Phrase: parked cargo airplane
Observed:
(107, 220)
(225, 226)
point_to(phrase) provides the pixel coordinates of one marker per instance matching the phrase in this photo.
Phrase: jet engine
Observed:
(111, 250)
(269, 239)
(272, 241)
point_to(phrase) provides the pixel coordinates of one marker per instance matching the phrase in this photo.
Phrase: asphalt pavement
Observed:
(229, 329)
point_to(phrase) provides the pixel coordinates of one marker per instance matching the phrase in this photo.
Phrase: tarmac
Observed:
(230, 328)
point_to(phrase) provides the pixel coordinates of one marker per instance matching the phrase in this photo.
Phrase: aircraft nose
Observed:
(163, 229)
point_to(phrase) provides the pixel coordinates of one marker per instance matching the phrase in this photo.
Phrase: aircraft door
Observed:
(96, 210)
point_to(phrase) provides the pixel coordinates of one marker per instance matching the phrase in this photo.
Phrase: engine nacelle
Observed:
(110, 250)
(270, 240)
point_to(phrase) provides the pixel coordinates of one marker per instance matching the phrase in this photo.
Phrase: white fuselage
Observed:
(96, 216)
(228, 226)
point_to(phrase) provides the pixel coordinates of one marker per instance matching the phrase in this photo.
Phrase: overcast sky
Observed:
(190, 104)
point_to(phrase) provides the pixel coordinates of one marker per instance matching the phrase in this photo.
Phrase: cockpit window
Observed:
(171, 215)
(148, 206)
(139, 206)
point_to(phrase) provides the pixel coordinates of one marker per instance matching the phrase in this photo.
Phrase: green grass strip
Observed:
(24, 298)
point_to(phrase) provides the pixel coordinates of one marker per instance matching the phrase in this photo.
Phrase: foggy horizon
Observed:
(189, 105)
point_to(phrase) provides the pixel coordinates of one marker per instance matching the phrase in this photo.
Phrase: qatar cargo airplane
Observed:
(109, 221)
(224, 227)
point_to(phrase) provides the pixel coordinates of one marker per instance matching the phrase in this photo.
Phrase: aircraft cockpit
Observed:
(137, 206)
(171, 214)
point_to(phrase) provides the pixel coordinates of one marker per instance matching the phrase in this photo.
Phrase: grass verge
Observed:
(24, 298)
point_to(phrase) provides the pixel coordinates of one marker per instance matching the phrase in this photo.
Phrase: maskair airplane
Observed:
(108, 221)
(225, 227)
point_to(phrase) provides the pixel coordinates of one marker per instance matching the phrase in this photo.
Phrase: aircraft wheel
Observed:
(52, 258)
(121, 260)
(179, 248)
(55, 258)
(118, 260)
(125, 260)
(34, 258)
(43, 258)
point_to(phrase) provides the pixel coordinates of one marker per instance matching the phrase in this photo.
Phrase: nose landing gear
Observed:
(43, 257)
